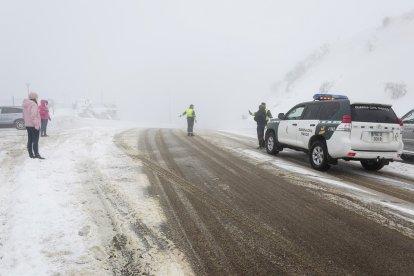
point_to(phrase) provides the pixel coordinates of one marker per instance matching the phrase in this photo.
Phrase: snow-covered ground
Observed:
(52, 221)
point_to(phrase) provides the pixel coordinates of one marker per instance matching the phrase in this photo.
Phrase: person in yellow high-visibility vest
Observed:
(191, 118)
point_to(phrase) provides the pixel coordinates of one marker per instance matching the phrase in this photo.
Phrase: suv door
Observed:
(308, 123)
(7, 117)
(288, 127)
(375, 127)
(408, 132)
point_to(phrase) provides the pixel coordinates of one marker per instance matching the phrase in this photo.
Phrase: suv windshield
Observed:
(373, 113)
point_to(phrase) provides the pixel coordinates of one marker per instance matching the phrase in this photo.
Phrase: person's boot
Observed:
(38, 156)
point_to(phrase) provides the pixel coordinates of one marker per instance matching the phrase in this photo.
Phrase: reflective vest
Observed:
(189, 112)
(267, 114)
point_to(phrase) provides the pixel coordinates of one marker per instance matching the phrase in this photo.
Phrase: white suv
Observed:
(331, 128)
(12, 116)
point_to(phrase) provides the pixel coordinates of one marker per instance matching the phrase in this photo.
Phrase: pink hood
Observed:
(31, 114)
(43, 110)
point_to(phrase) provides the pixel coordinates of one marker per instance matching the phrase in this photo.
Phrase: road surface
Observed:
(236, 210)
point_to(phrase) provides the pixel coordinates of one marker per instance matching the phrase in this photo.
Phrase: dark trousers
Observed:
(190, 125)
(32, 141)
(260, 134)
(43, 127)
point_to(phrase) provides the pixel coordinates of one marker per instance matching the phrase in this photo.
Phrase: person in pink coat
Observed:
(44, 117)
(31, 118)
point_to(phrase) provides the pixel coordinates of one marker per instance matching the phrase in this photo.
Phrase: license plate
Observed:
(376, 136)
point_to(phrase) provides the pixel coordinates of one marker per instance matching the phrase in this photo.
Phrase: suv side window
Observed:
(6, 110)
(328, 110)
(311, 111)
(11, 110)
(295, 113)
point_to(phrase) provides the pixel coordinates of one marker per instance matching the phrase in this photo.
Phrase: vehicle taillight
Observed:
(400, 121)
(346, 119)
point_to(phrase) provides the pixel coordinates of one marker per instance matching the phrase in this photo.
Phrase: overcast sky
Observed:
(153, 58)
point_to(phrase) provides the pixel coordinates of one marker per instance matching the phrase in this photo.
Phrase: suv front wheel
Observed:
(372, 165)
(271, 144)
(318, 156)
(19, 124)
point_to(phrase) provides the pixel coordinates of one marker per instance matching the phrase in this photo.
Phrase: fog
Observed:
(154, 58)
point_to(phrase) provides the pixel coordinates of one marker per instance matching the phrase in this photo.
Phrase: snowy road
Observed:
(115, 199)
(84, 210)
(235, 210)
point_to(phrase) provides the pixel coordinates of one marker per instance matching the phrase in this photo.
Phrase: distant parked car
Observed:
(12, 116)
(408, 136)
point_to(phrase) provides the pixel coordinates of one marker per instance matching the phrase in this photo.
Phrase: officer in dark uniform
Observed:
(262, 116)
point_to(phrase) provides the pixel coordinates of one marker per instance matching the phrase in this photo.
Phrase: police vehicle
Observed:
(332, 128)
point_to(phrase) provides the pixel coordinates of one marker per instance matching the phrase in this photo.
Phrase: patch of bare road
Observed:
(231, 215)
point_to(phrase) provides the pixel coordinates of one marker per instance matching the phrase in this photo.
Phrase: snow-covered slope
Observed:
(374, 66)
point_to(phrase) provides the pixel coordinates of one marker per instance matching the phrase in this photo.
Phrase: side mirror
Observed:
(281, 116)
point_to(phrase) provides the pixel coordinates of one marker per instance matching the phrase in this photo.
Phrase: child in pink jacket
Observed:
(44, 117)
(31, 118)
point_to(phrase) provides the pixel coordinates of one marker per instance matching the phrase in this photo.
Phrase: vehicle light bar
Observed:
(329, 97)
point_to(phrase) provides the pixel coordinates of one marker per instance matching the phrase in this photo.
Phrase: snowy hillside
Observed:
(374, 66)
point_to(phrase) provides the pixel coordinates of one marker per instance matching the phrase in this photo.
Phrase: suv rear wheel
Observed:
(19, 124)
(372, 165)
(271, 144)
(318, 156)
